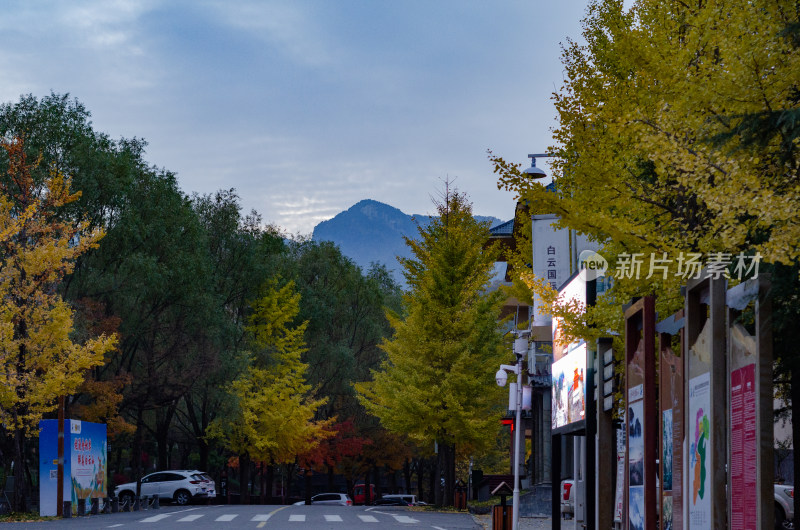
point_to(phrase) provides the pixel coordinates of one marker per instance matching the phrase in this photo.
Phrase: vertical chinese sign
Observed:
(551, 258)
(640, 421)
(85, 463)
(750, 362)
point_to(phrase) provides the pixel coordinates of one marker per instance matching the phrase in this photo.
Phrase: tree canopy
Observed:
(39, 361)
(437, 384)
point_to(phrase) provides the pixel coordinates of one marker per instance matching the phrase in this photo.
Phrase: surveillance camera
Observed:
(520, 346)
(501, 377)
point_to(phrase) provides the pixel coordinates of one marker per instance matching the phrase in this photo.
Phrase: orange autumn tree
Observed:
(39, 360)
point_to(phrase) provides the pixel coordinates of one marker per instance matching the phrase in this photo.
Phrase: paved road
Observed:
(270, 517)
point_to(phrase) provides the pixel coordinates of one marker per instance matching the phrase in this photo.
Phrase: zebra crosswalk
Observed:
(182, 517)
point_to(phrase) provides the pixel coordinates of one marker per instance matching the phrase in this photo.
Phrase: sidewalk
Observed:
(525, 523)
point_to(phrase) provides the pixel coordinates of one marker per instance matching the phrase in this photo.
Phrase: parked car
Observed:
(180, 486)
(359, 496)
(390, 501)
(410, 500)
(567, 498)
(784, 506)
(335, 499)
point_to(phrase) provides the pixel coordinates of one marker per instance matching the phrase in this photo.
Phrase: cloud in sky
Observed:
(306, 107)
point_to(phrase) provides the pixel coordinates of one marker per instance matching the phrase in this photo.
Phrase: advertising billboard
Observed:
(85, 458)
(569, 390)
(572, 291)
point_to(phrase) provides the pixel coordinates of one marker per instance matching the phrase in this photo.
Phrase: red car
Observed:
(359, 496)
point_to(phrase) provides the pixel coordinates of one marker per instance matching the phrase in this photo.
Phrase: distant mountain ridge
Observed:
(372, 232)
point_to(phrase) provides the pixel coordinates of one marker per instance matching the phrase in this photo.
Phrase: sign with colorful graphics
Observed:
(85, 457)
(699, 455)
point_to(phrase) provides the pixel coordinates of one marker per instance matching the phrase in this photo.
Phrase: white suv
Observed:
(181, 486)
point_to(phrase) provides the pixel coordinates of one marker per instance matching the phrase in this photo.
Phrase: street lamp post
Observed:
(520, 349)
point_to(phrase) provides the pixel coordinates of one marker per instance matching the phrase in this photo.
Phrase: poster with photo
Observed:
(666, 516)
(699, 491)
(666, 456)
(636, 508)
(569, 388)
(634, 421)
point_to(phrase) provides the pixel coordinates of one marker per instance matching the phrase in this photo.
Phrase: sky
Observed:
(306, 107)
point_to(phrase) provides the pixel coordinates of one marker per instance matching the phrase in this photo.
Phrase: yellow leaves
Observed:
(38, 359)
(272, 412)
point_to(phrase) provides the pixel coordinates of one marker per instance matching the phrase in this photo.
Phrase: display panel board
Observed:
(671, 404)
(750, 400)
(574, 290)
(641, 415)
(85, 458)
(569, 388)
(705, 480)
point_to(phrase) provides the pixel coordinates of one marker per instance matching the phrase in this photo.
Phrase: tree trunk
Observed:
(331, 476)
(20, 501)
(289, 479)
(137, 450)
(244, 479)
(439, 467)
(420, 480)
(450, 474)
(432, 481)
(796, 427)
(307, 485)
(163, 421)
(376, 479)
(270, 480)
(407, 476)
(262, 489)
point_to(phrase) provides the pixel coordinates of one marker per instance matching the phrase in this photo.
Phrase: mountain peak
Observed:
(372, 232)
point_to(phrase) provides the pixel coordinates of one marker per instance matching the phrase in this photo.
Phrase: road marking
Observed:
(295, 518)
(262, 524)
(155, 518)
(438, 528)
(405, 519)
(333, 518)
(368, 518)
(114, 525)
(227, 517)
(190, 518)
(261, 517)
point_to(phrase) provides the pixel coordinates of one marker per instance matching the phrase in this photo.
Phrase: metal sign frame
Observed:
(750, 398)
(705, 398)
(640, 435)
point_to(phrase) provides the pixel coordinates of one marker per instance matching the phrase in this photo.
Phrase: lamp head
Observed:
(533, 171)
(501, 377)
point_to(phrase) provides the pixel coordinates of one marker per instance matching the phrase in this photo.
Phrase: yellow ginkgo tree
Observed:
(271, 411)
(39, 361)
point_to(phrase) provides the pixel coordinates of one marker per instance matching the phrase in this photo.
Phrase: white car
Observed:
(180, 486)
(337, 499)
(411, 500)
(784, 506)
